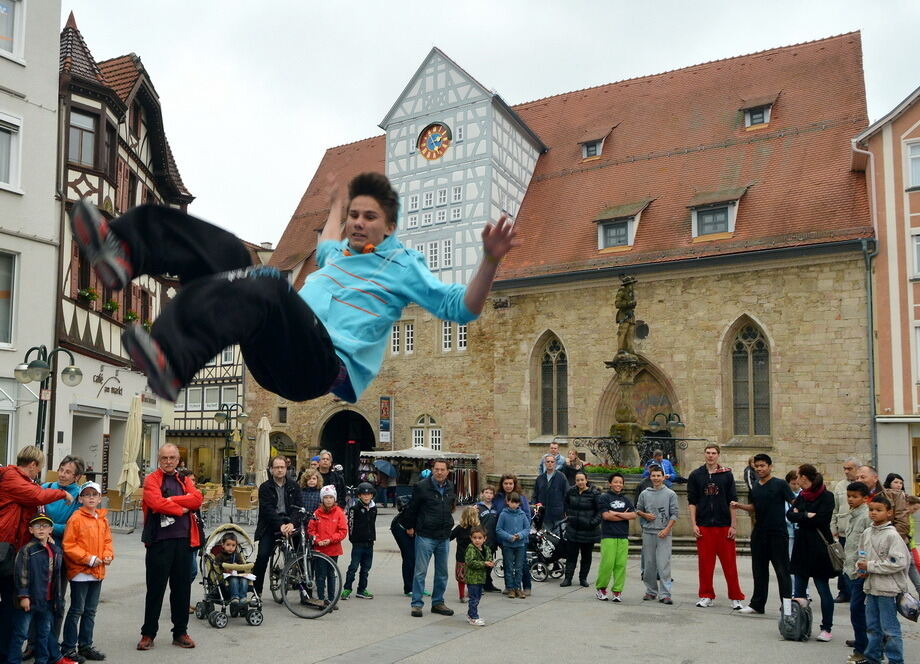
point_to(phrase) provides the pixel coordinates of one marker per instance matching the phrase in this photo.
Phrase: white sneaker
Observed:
(704, 602)
(823, 636)
(737, 605)
(746, 611)
(601, 594)
(479, 622)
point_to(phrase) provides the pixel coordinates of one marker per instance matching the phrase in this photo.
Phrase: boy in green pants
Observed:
(616, 511)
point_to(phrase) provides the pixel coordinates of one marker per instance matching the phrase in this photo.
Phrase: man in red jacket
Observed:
(170, 533)
(19, 497)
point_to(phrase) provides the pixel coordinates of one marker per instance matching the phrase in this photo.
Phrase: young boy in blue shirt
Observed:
(329, 337)
(38, 580)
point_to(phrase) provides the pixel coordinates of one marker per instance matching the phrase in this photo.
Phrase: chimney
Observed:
(266, 245)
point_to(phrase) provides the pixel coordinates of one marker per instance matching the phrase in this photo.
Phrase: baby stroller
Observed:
(544, 550)
(216, 606)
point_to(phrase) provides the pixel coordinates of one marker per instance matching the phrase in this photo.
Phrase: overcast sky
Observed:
(254, 92)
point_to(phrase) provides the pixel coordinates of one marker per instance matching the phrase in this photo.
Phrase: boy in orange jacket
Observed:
(328, 530)
(87, 552)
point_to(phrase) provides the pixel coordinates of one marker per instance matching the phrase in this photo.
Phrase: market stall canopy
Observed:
(418, 453)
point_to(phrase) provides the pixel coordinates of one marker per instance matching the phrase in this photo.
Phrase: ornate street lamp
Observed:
(224, 415)
(39, 370)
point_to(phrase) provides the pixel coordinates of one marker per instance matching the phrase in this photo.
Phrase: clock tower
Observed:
(458, 156)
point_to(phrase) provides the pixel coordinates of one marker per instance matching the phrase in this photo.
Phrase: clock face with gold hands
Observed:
(434, 141)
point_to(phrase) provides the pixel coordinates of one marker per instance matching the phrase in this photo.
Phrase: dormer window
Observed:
(713, 219)
(615, 233)
(757, 116)
(713, 213)
(616, 226)
(592, 140)
(591, 149)
(758, 109)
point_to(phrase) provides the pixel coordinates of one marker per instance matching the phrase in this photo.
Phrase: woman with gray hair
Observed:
(70, 470)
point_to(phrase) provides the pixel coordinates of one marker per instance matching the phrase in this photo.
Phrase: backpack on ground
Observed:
(795, 621)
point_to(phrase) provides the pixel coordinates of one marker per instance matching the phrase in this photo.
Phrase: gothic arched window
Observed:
(554, 408)
(750, 383)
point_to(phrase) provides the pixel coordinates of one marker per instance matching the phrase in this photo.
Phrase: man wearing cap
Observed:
(38, 581)
(279, 498)
(170, 533)
(19, 496)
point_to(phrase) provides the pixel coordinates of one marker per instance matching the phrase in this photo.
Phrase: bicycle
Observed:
(297, 583)
(282, 554)
(350, 497)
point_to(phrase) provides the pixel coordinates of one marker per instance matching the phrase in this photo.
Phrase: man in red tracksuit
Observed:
(710, 491)
(170, 533)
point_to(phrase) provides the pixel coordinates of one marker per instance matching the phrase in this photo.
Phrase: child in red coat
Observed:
(328, 531)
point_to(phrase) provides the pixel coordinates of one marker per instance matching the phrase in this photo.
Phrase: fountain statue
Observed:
(626, 364)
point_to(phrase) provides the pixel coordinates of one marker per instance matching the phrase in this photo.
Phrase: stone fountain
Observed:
(627, 366)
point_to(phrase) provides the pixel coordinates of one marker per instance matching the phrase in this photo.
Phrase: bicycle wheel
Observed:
(499, 568)
(275, 570)
(299, 585)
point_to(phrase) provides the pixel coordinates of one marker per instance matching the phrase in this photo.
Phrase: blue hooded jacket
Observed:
(59, 510)
(359, 297)
(511, 522)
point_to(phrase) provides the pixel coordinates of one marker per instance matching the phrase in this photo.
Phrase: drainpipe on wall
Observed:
(59, 186)
(870, 303)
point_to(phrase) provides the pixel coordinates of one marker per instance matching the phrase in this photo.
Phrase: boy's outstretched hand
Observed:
(499, 239)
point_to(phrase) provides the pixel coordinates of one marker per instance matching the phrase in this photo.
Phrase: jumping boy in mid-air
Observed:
(329, 337)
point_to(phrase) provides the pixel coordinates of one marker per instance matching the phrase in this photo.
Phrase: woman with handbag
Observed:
(811, 511)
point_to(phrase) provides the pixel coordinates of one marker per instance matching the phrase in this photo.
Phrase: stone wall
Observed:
(812, 310)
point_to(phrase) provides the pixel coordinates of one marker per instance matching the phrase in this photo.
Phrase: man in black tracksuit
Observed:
(429, 518)
(362, 531)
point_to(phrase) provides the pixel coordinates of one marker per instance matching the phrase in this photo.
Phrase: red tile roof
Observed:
(75, 58)
(681, 137)
(678, 135)
(122, 74)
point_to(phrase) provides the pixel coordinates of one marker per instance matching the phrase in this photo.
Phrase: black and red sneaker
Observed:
(101, 247)
(147, 355)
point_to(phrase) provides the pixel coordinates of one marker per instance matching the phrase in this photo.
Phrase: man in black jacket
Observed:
(278, 495)
(429, 518)
(330, 475)
(549, 490)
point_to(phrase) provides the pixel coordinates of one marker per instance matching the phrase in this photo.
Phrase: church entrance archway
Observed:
(347, 434)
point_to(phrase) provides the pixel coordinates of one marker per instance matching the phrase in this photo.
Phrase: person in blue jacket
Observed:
(329, 337)
(70, 471)
(670, 474)
(513, 530)
(507, 485)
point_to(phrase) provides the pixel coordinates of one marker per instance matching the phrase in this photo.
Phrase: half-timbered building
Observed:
(114, 152)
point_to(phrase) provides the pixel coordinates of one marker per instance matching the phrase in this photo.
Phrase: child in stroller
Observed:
(227, 578)
(237, 572)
